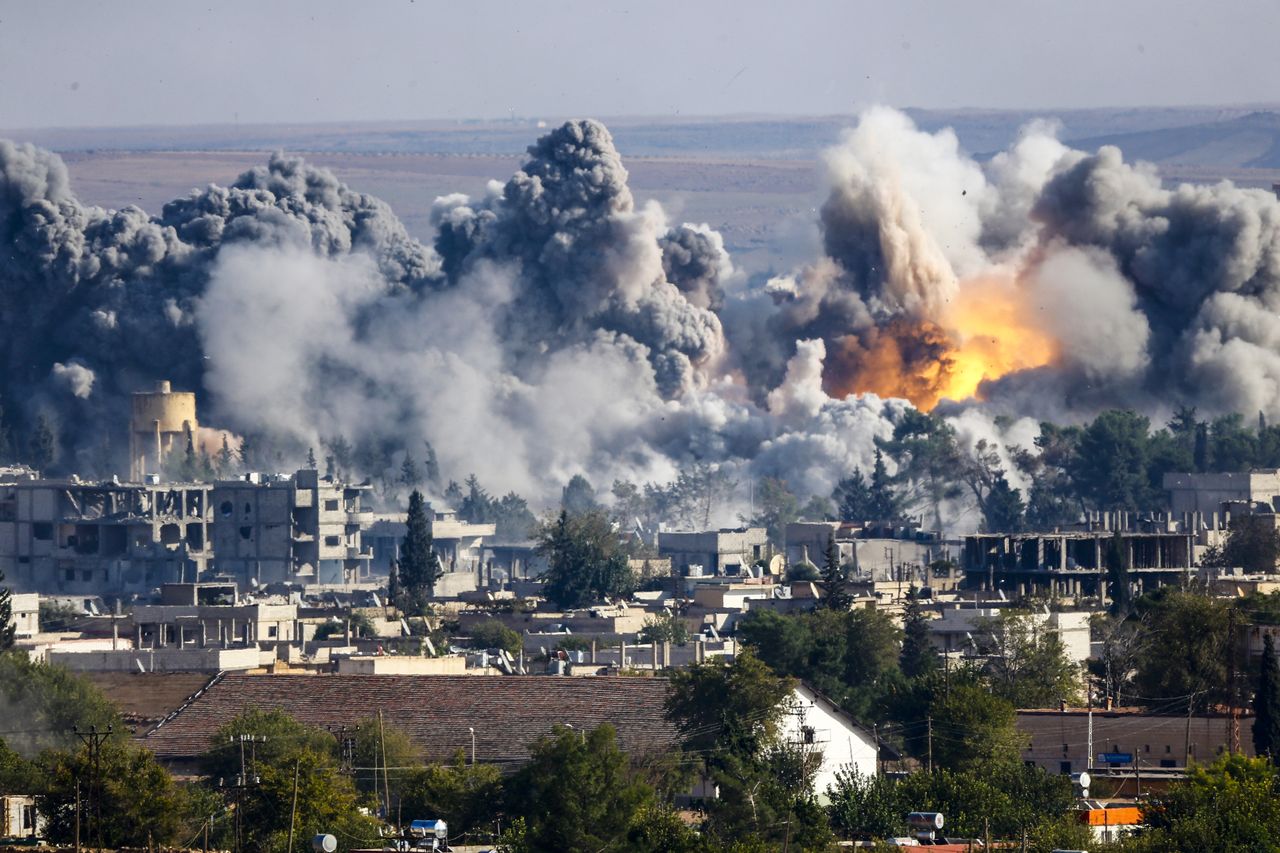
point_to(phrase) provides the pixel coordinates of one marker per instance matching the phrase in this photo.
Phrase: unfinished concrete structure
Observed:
(727, 551)
(1074, 563)
(163, 421)
(303, 529)
(65, 537)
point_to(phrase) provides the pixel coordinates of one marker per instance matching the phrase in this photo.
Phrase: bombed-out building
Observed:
(163, 423)
(65, 537)
(459, 544)
(727, 551)
(1156, 552)
(294, 529)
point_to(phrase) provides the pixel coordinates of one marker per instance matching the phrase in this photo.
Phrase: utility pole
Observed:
(930, 741)
(386, 782)
(244, 781)
(93, 740)
(293, 809)
(1088, 761)
(77, 816)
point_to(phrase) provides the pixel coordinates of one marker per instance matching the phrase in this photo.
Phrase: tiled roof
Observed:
(435, 711)
(145, 699)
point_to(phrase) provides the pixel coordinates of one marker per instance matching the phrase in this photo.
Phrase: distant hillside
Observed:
(1243, 135)
(1250, 141)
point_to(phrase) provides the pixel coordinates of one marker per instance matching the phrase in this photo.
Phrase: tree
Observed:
(8, 630)
(1266, 704)
(578, 496)
(419, 567)
(477, 504)
(453, 496)
(885, 504)
(776, 507)
(975, 731)
(731, 714)
(327, 800)
(577, 792)
(512, 519)
(134, 803)
(1231, 804)
(1253, 543)
(463, 795)
(409, 475)
(927, 457)
(852, 497)
(585, 561)
(1029, 665)
(54, 701)
(835, 577)
(1003, 508)
(664, 628)
(918, 657)
(1119, 587)
(430, 464)
(1185, 654)
(1109, 467)
(225, 458)
(377, 744)
(492, 634)
(311, 458)
(43, 449)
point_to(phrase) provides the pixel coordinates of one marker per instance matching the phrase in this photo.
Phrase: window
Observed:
(333, 541)
(1168, 762)
(331, 506)
(226, 509)
(246, 532)
(42, 530)
(1146, 747)
(1065, 748)
(272, 631)
(1064, 767)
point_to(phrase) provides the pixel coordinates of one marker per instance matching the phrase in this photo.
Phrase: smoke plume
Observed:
(554, 326)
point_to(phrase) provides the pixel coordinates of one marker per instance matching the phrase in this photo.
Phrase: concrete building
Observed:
(26, 614)
(1125, 738)
(303, 529)
(163, 423)
(460, 546)
(961, 628)
(1206, 493)
(1073, 563)
(65, 537)
(727, 551)
(876, 552)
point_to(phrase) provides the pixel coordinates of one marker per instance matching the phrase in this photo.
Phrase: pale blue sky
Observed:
(175, 62)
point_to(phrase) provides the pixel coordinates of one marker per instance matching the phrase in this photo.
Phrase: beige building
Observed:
(302, 529)
(65, 537)
(1206, 493)
(727, 551)
(163, 423)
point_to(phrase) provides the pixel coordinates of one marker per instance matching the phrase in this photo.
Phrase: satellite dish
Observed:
(324, 843)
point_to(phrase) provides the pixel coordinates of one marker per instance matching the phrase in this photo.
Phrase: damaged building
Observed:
(65, 537)
(303, 529)
(1156, 551)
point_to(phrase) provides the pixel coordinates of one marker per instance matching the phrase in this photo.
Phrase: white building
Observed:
(960, 629)
(1206, 493)
(816, 721)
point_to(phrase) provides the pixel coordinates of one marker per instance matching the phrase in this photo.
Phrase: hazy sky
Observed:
(176, 62)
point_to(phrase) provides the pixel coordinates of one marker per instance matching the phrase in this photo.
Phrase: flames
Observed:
(989, 330)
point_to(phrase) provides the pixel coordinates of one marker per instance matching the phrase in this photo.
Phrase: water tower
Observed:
(163, 421)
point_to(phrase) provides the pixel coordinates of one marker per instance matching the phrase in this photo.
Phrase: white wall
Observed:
(844, 746)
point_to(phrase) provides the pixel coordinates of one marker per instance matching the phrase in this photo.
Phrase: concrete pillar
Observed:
(137, 630)
(231, 630)
(1062, 554)
(115, 635)
(666, 655)
(177, 627)
(594, 659)
(654, 655)
(622, 655)
(204, 634)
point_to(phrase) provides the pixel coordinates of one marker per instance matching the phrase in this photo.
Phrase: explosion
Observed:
(986, 332)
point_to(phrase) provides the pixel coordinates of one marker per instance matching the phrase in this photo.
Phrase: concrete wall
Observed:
(158, 660)
(402, 665)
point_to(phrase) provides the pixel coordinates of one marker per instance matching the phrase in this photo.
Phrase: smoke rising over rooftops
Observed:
(555, 327)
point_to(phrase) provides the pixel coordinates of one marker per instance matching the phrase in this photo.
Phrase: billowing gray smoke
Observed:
(554, 327)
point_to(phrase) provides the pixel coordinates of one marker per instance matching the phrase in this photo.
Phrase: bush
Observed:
(803, 572)
(492, 634)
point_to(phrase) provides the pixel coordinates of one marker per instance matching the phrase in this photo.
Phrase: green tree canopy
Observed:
(975, 731)
(585, 560)
(419, 567)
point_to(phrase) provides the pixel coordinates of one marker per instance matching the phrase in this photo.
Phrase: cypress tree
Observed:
(1118, 576)
(918, 656)
(834, 578)
(44, 445)
(1266, 704)
(419, 567)
(884, 503)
